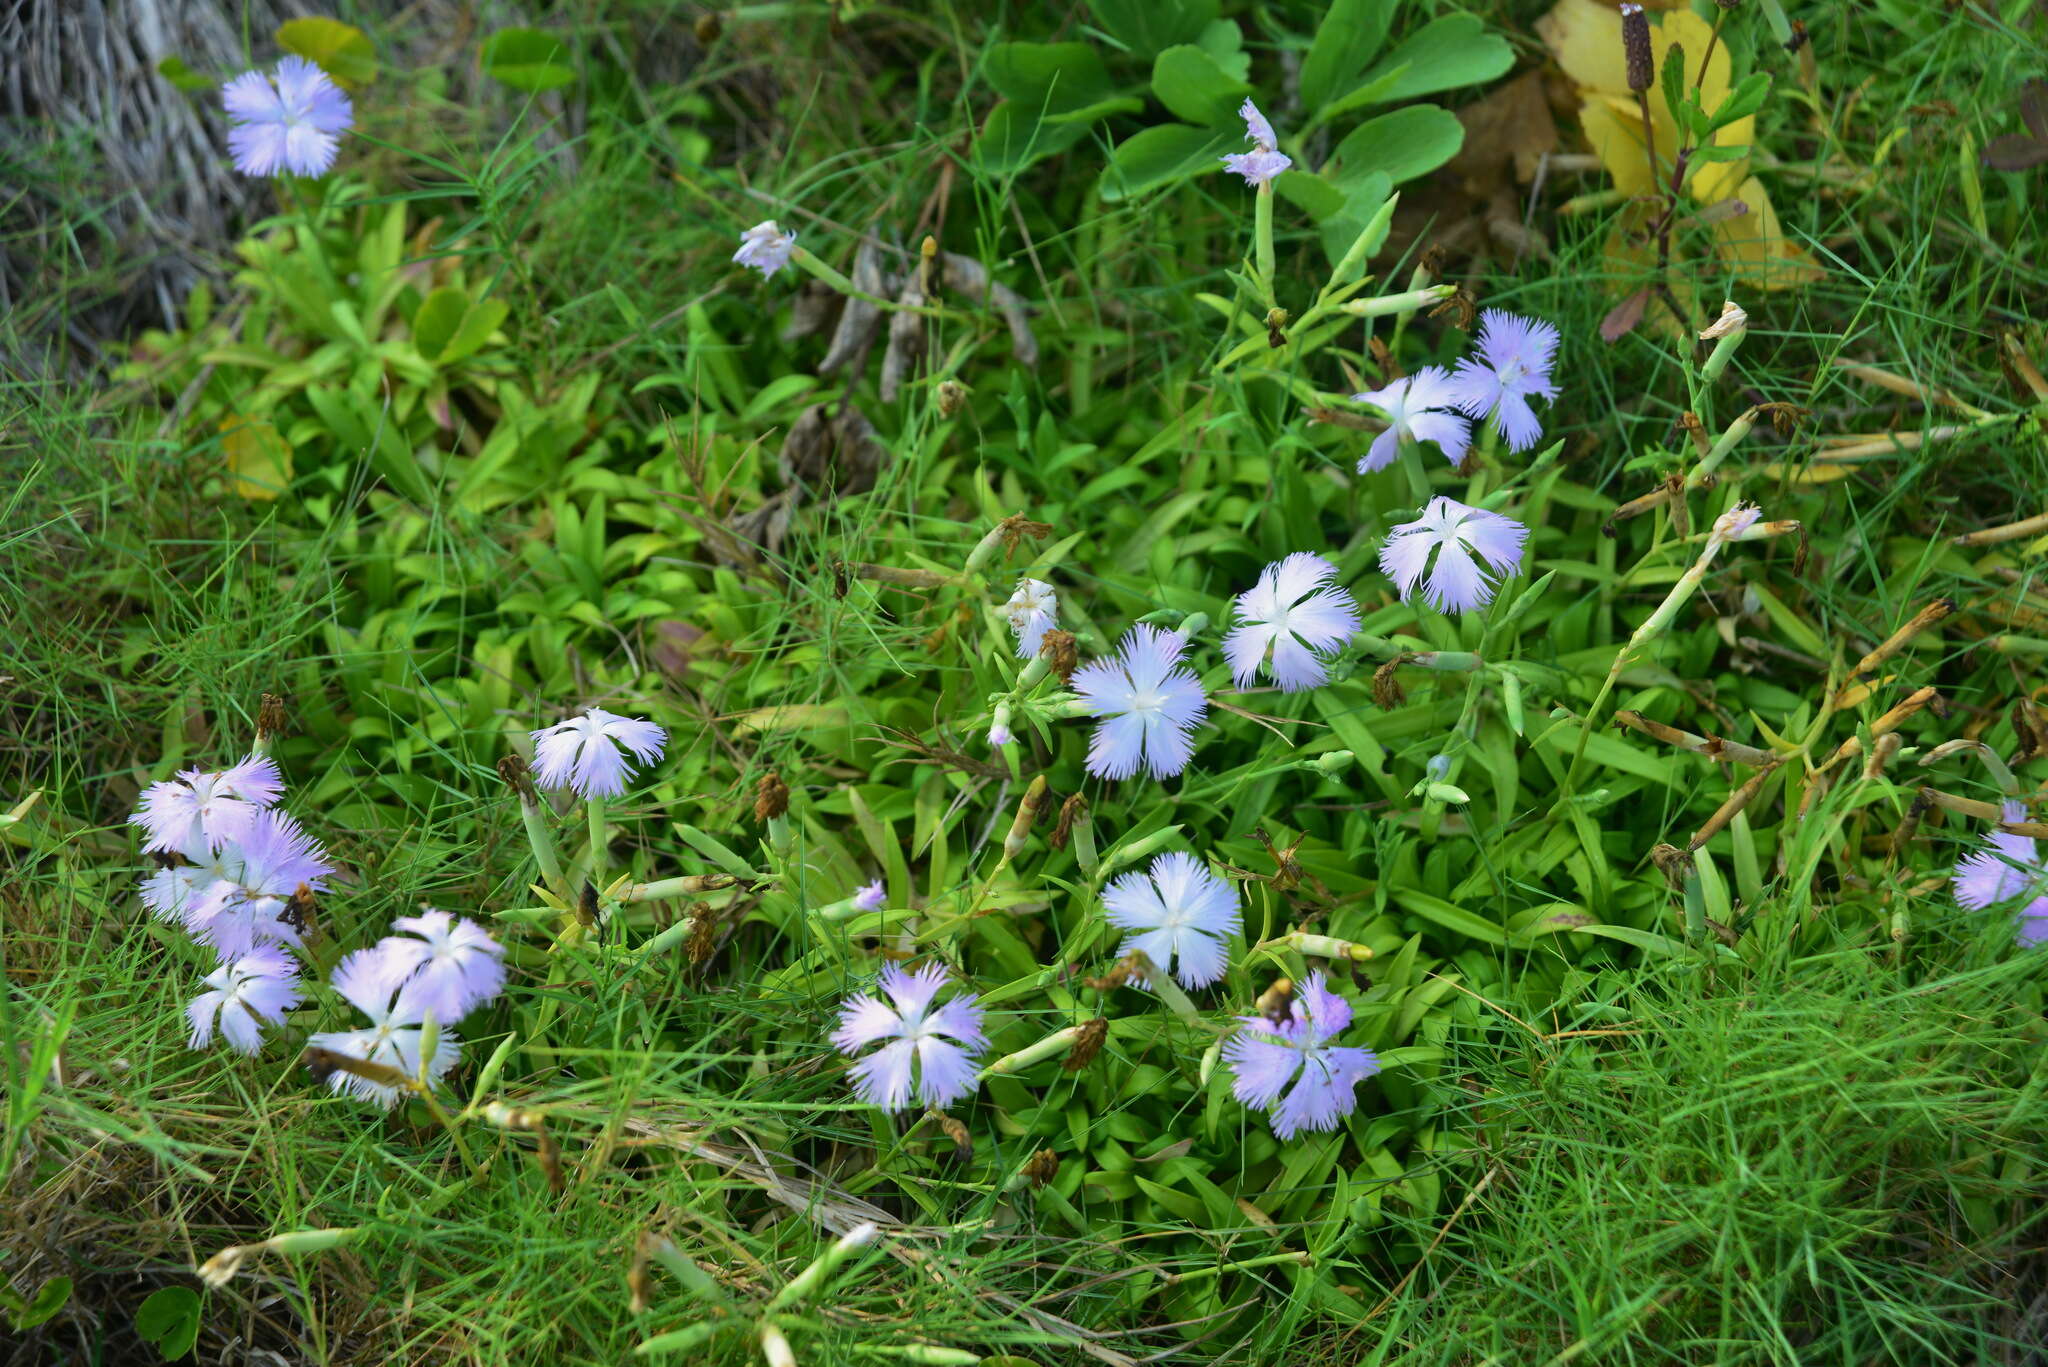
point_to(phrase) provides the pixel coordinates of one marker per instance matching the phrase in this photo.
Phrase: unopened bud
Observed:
(951, 397)
(1635, 48)
(1027, 816)
(999, 727)
(1332, 763)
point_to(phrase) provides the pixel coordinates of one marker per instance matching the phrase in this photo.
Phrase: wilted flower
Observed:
(198, 809)
(871, 896)
(765, 247)
(1186, 916)
(240, 909)
(292, 121)
(941, 1044)
(1264, 161)
(451, 964)
(1448, 527)
(580, 753)
(370, 980)
(246, 994)
(2009, 868)
(1033, 610)
(1417, 408)
(1150, 702)
(1513, 366)
(1293, 611)
(1730, 525)
(1266, 1055)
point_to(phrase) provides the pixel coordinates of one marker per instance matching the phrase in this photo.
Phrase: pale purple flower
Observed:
(1291, 613)
(198, 809)
(1453, 531)
(245, 995)
(1150, 702)
(1733, 524)
(292, 121)
(765, 248)
(1265, 1057)
(1185, 917)
(871, 896)
(929, 1051)
(451, 963)
(240, 909)
(370, 980)
(1418, 408)
(1265, 160)
(1513, 366)
(583, 752)
(168, 892)
(999, 736)
(2007, 869)
(1033, 610)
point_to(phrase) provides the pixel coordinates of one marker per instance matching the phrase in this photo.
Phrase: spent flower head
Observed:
(1419, 407)
(243, 995)
(765, 248)
(1512, 367)
(1290, 614)
(202, 810)
(1033, 610)
(2008, 869)
(371, 980)
(451, 963)
(291, 121)
(1265, 160)
(930, 1052)
(1265, 1056)
(1453, 531)
(585, 753)
(1180, 915)
(1149, 702)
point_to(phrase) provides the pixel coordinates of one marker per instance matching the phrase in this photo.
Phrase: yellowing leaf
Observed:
(259, 459)
(1756, 247)
(341, 50)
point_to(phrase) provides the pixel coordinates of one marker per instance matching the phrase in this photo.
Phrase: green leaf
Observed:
(1224, 41)
(1146, 28)
(1051, 78)
(341, 50)
(174, 70)
(449, 326)
(1402, 145)
(527, 59)
(1449, 916)
(1373, 91)
(1351, 35)
(1159, 156)
(1744, 100)
(170, 1320)
(49, 1299)
(1453, 51)
(1192, 86)
(1673, 78)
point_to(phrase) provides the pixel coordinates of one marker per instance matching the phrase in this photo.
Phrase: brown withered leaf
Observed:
(1472, 204)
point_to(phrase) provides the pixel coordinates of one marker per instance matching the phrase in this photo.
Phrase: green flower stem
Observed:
(812, 1279)
(1406, 302)
(1052, 1046)
(544, 855)
(812, 266)
(1264, 1260)
(594, 810)
(1263, 256)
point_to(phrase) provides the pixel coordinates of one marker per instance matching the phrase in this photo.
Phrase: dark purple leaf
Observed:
(2014, 152)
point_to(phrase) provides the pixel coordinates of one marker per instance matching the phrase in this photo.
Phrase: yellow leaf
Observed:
(790, 717)
(259, 458)
(341, 50)
(1755, 246)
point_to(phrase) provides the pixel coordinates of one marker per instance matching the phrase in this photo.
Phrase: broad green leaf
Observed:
(527, 59)
(1192, 86)
(1401, 145)
(1164, 154)
(1453, 51)
(1013, 137)
(1448, 915)
(1224, 41)
(169, 1318)
(174, 70)
(1351, 35)
(259, 459)
(341, 50)
(1051, 78)
(449, 326)
(49, 1299)
(1145, 28)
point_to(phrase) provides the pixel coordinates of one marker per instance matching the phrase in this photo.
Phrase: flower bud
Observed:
(1635, 47)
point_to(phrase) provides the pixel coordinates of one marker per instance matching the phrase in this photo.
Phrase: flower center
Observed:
(1147, 700)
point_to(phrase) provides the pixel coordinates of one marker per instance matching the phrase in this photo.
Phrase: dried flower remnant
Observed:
(243, 996)
(1453, 531)
(1060, 654)
(1293, 1062)
(588, 754)
(1513, 366)
(1149, 702)
(1087, 1044)
(771, 797)
(1177, 914)
(1420, 407)
(1265, 160)
(930, 1051)
(1033, 610)
(765, 248)
(1291, 614)
(289, 121)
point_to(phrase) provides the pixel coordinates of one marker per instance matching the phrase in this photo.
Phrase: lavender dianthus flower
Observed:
(1419, 407)
(1266, 1056)
(246, 994)
(765, 248)
(292, 121)
(242, 907)
(451, 963)
(583, 753)
(1452, 530)
(1265, 160)
(2007, 869)
(931, 1051)
(1293, 612)
(370, 980)
(1185, 917)
(198, 809)
(1513, 366)
(871, 896)
(1149, 701)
